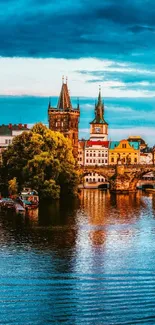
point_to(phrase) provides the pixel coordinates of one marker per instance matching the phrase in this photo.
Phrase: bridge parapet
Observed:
(121, 177)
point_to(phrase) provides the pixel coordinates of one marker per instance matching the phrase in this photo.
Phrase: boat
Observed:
(29, 198)
(150, 190)
(7, 203)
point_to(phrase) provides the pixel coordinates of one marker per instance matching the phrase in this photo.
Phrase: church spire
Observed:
(49, 103)
(99, 110)
(78, 104)
(64, 101)
(99, 97)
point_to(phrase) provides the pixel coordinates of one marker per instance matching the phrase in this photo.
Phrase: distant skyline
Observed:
(108, 43)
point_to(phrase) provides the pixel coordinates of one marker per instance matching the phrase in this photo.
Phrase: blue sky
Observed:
(108, 43)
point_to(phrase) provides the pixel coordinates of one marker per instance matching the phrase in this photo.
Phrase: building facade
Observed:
(64, 118)
(7, 134)
(94, 151)
(124, 152)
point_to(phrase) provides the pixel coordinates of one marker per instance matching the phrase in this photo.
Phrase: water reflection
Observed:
(87, 261)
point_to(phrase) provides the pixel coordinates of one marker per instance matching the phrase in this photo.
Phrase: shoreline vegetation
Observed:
(41, 159)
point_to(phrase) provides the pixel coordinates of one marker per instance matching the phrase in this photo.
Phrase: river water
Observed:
(87, 261)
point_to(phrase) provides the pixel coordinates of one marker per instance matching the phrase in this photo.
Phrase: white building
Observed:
(146, 158)
(94, 151)
(8, 132)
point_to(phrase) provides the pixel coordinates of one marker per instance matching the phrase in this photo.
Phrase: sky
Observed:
(109, 43)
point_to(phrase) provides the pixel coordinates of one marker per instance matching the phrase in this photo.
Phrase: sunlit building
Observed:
(124, 152)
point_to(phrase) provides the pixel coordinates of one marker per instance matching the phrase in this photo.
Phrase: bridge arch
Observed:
(137, 176)
(103, 174)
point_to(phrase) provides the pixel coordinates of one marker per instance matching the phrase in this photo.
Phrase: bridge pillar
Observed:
(120, 182)
(120, 170)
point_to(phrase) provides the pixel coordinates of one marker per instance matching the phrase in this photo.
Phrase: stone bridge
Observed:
(122, 178)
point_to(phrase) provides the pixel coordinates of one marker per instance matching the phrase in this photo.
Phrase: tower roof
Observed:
(64, 101)
(99, 111)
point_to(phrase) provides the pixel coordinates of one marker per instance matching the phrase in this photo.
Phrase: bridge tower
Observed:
(64, 118)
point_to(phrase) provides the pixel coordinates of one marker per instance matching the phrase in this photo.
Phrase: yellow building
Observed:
(124, 152)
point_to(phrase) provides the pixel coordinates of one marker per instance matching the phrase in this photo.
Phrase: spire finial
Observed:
(78, 105)
(49, 102)
(62, 79)
(99, 96)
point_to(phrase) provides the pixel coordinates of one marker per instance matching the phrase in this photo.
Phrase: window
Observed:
(123, 145)
(93, 179)
(99, 161)
(90, 160)
(86, 179)
(86, 160)
(135, 160)
(94, 161)
(106, 161)
(103, 161)
(98, 179)
(94, 155)
(112, 159)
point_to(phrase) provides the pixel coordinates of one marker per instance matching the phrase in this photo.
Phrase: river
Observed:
(87, 261)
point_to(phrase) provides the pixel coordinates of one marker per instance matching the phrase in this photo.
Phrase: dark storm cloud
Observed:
(122, 30)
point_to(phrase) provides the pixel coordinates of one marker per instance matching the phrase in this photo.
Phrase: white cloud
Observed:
(119, 108)
(147, 133)
(42, 77)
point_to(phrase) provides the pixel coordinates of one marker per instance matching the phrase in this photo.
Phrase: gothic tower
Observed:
(99, 127)
(64, 118)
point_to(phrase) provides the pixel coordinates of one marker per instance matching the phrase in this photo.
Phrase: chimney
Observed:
(19, 126)
(10, 126)
(25, 126)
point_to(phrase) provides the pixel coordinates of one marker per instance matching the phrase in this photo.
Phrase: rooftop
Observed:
(7, 129)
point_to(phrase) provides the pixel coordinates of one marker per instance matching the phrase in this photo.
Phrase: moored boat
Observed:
(7, 203)
(29, 198)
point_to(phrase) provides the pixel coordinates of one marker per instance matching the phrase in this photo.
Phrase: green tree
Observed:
(13, 186)
(42, 159)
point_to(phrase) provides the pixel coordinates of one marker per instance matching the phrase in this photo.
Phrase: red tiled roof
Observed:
(97, 143)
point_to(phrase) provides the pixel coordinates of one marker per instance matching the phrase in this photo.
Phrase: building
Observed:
(8, 132)
(94, 151)
(124, 152)
(99, 127)
(146, 156)
(64, 118)
(137, 138)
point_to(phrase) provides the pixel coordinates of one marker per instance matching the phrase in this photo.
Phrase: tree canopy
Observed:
(41, 159)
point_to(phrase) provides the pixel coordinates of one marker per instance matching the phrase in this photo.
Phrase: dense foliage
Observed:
(43, 160)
